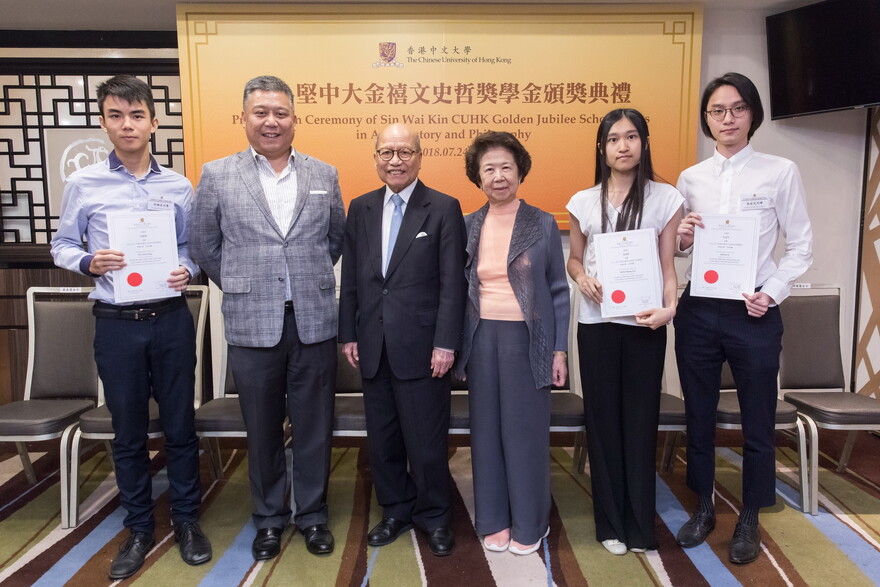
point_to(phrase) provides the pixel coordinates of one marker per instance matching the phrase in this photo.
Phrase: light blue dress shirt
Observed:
(106, 187)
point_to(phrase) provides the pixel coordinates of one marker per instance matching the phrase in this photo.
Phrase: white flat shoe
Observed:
(638, 550)
(529, 549)
(495, 547)
(614, 546)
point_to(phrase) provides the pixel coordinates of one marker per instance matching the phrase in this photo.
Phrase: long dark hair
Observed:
(630, 216)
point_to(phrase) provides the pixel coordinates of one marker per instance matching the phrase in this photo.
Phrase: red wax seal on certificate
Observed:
(710, 276)
(135, 279)
(618, 296)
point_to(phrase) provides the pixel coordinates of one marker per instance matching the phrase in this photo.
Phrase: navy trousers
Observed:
(407, 434)
(137, 359)
(709, 331)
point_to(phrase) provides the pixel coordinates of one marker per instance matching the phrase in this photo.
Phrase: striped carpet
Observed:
(838, 547)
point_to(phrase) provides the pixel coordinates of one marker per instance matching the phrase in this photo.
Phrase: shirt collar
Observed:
(258, 158)
(737, 162)
(115, 164)
(404, 194)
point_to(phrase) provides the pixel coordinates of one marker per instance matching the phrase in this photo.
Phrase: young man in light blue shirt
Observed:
(144, 348)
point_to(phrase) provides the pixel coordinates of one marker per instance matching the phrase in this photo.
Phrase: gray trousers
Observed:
(510, 434)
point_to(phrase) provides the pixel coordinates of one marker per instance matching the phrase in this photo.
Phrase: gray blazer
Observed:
(236, 241)
(536, 270)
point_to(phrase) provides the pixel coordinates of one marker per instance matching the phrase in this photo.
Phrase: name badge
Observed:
(754, 202)
(160, 205)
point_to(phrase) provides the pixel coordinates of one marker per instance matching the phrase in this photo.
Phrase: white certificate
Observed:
(149, 242)
(725, 257)
(628, 267)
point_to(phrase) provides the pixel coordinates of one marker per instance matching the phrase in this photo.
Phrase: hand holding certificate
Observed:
(725, 257)
(628, 267)
(149, 241)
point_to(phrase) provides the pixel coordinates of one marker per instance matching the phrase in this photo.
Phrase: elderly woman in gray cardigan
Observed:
(514, 346)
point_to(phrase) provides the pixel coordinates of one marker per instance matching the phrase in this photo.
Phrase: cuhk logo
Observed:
(387, 52)
(388, 55)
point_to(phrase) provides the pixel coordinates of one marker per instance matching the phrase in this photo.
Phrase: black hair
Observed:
(128, 88)
(747, 91)
(265, 83)
(630, 217)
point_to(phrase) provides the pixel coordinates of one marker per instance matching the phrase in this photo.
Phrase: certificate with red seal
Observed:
(149, 241)
(725, 258)
(628, 267)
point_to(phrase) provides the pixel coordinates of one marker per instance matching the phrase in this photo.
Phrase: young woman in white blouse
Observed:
(621, 359)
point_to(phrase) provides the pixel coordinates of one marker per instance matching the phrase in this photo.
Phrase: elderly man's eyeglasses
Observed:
(719, 113)
(402, 154)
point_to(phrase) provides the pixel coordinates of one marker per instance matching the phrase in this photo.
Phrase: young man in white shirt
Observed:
(748, 335)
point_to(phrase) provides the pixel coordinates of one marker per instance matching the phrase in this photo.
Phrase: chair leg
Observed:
(215, 456)
(73, 482)
(813, 462)
(847, 451)
(803, 468)
(579, 457)
(65, 474)
(26, 463)
(108, 446)
(670, 447)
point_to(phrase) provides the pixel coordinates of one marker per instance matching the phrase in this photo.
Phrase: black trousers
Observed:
(709, 331)
(137, 359)
(297, 380)
(510, 434)
(621, 374)
(407, 433)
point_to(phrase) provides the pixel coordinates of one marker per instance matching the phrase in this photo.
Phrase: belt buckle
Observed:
(144, 314)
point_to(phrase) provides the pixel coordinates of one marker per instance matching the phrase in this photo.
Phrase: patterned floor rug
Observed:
(838, 547)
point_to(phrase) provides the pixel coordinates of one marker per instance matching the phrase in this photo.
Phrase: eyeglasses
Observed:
(402, 154)
(737, 112)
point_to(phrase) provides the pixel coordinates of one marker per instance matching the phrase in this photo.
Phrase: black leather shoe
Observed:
(746, 544)
(319, 540)
(441, 541)
(131, 555)
(387, 531)
(195, 548)
(267, 543)
(695, 530)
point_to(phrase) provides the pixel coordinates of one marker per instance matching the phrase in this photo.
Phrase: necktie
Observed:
(396, 219)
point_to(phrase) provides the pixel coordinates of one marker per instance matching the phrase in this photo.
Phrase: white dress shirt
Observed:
(279, 188)
(388, 211)
(761, 185)
(280, 191)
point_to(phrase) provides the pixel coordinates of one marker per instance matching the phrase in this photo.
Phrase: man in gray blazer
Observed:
(267, 227)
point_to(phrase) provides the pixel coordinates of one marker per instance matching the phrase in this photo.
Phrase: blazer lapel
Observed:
(413, 220)
(373, 228)
(303, 171)
(247, 170)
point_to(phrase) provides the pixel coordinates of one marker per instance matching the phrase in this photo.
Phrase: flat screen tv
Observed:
(824, 57)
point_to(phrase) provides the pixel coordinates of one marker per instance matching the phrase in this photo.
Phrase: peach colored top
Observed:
(497, 300)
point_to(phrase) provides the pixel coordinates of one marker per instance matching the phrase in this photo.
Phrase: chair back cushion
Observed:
(63, 332)
(810, 356)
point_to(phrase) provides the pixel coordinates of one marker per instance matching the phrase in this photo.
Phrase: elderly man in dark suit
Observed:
(400, 319)
(267, 227)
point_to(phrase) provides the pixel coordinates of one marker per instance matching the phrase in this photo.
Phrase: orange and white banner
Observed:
(545, 73)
